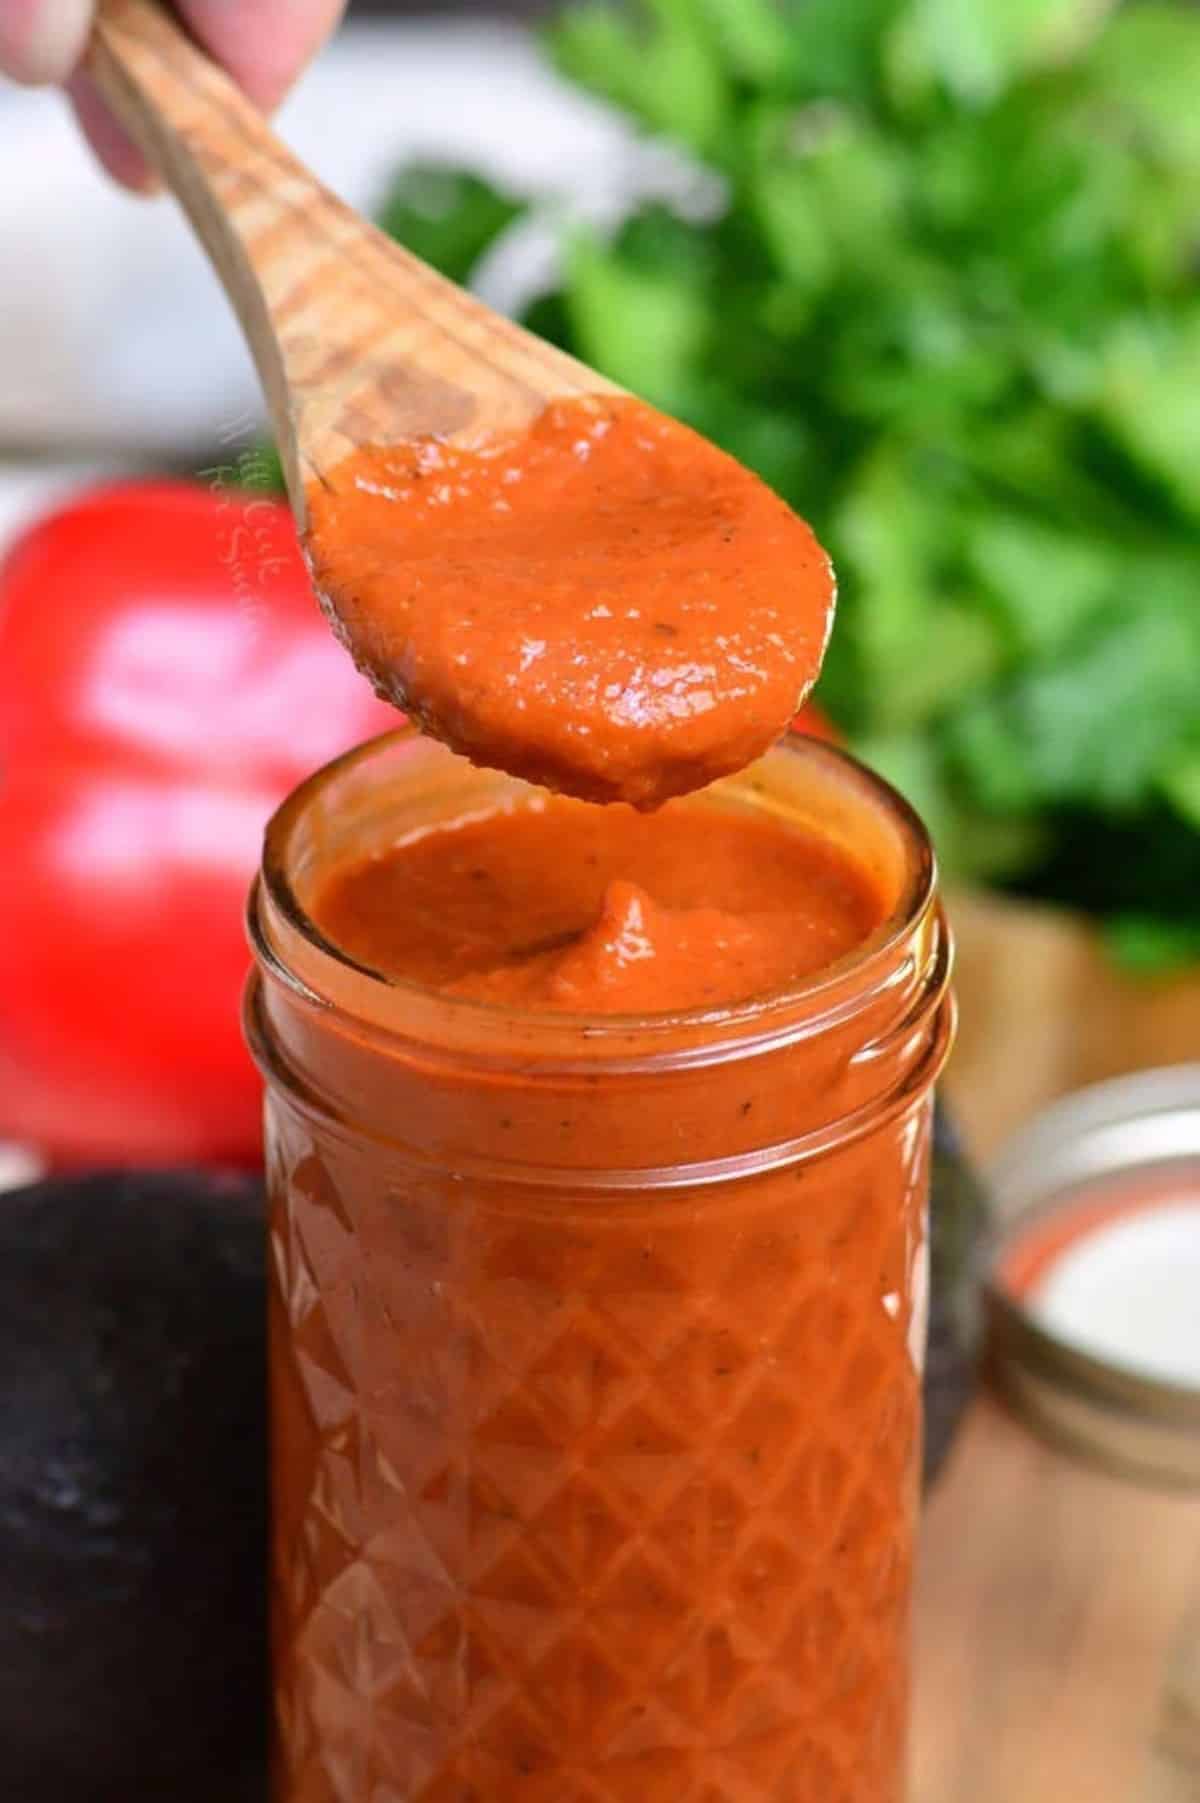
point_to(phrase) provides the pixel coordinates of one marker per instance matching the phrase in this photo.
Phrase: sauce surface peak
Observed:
(558, 906)
(607, 605)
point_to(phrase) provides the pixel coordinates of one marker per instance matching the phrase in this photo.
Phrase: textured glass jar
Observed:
(595, 1346)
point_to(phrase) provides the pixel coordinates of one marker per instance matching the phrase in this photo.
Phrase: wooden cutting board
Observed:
(1058, 1617)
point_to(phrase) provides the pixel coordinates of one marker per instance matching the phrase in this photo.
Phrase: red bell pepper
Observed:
(165, 677)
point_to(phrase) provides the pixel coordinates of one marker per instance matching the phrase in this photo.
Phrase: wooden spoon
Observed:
(586, 594)
(355, 340)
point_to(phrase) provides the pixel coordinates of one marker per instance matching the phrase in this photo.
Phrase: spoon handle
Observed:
(356, 341)
(240, 188)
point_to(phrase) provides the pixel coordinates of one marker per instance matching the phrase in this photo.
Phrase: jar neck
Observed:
(608, 1102)
(759, 1103)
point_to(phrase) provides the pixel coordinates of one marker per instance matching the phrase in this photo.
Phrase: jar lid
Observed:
(1093, 1277)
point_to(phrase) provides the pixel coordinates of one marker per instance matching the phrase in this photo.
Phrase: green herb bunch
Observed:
(948, 308)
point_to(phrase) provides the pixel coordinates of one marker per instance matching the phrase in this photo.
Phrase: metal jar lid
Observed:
(1145, 1130)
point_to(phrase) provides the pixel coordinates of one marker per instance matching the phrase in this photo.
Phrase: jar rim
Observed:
(818, 993)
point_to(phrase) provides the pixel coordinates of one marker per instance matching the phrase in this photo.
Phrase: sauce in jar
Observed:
(596, 1325)
(554, 904)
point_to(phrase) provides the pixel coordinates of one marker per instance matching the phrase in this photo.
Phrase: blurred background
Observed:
(930, 267)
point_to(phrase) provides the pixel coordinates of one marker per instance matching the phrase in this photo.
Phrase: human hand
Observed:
(264, 44)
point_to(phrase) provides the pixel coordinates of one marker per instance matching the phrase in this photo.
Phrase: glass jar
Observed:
(595, 1345)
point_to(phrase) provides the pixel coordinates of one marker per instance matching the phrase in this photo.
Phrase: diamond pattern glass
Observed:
(593, 1498)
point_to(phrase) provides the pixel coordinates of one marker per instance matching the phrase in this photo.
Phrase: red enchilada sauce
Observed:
(607, 605)
(558, 905)
(595, 1482)
(596, 1323)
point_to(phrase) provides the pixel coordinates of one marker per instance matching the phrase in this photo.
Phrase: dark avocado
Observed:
(958, 1220)
(132, 1488)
